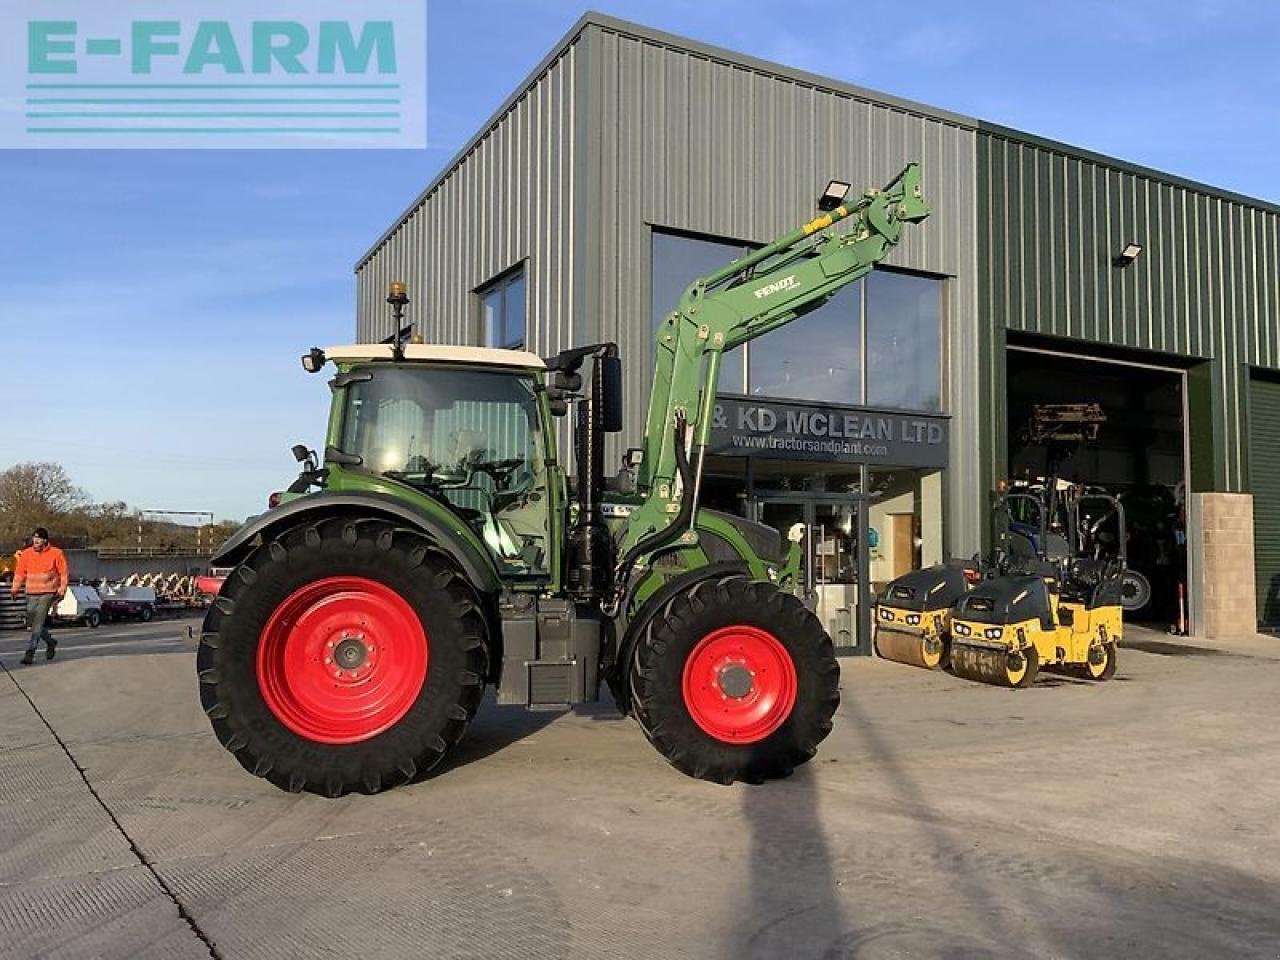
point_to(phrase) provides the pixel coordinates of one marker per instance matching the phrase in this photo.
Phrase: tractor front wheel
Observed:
(735, 680)
(343, 655)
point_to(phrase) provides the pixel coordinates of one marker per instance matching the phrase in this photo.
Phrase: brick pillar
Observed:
(1220, 539)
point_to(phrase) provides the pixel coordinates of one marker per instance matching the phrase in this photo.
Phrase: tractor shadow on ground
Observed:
(943, 843)
(497, 727)
(494, 729)
(792, 893)
(1006, 894)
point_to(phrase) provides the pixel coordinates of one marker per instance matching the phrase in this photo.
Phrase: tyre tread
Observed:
(654, 680)
(395, 756)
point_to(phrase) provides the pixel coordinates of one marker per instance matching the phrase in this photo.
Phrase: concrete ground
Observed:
(942, 818)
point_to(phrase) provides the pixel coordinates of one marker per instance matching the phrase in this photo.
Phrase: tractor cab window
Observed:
(469, 438)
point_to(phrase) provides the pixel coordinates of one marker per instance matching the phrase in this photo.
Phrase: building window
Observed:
(502, 312)
(877, 342)
(904, 341)
(679, 260)
(818, 357)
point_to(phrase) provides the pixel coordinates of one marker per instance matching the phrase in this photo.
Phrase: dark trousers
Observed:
(38, 607)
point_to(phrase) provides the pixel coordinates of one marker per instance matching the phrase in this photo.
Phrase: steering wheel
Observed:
(1091, 532)
(500, 470)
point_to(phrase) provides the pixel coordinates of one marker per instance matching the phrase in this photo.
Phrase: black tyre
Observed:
(1135, 591)
(734, 680)
(93, 618)
(344, 655)
(1101, 665)
(1022, 667)
(146, 613)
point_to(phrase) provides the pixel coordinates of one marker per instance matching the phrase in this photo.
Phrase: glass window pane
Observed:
(904, 341)
(491, 313)
(467, 437)
(677, 262)
(905, 522)
(502, 312)
(817, 357)
(513, 310)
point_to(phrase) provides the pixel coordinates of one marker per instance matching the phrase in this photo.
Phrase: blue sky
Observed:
(153, 303)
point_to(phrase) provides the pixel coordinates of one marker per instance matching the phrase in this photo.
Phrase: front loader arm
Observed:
(750, 297)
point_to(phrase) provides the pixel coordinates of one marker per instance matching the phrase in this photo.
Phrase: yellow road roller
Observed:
(913, 615)
(1059, 607)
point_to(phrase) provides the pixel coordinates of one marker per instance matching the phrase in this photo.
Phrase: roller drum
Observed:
(994, 665)
(914, 649)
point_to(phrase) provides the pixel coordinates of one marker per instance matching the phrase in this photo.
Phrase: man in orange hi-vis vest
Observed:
(42, 569)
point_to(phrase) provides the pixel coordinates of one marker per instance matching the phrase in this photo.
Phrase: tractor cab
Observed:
(462, 428)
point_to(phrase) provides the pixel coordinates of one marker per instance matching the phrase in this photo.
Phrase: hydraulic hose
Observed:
(668, 534)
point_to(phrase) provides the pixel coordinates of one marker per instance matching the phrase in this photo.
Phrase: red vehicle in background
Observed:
(211, 582)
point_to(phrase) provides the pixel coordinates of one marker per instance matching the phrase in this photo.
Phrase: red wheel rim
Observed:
(342, 659)
(739, 684)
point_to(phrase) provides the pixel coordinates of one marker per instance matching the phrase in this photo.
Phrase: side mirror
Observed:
(300, 452)
(611, 392)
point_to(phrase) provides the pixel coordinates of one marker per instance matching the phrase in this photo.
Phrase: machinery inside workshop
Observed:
(1139, 456)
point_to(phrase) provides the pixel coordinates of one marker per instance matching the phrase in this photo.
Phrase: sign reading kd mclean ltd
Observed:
(746, 427)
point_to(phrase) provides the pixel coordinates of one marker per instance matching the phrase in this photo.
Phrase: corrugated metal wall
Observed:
(1205, 285)
(681, 138)
(510, 198)
(1264, 475)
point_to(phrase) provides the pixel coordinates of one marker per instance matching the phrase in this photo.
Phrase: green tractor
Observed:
(442, 547)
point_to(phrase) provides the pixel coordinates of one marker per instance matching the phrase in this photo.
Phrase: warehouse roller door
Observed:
(1264, 482)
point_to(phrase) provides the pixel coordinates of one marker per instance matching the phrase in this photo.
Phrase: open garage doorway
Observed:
(1140, 455)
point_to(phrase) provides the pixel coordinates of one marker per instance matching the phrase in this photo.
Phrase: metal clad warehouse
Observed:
(632, 161)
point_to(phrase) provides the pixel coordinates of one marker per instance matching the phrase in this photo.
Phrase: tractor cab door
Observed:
(469, 438)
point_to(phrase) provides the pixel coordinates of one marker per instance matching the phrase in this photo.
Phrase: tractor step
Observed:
(550, 655)
(554, 683)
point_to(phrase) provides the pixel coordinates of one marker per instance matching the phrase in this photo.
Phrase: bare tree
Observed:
(35, 494)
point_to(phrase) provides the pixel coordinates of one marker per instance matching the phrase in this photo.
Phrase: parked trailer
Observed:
(81, 604)
(120, 602)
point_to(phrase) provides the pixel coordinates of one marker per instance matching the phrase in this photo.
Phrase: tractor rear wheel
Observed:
(734, 680)
(343, 655)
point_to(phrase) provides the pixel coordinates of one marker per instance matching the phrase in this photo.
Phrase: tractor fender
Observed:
(634, 626)
(323, 504)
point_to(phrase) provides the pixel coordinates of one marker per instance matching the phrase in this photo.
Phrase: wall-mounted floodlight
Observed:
(1130, 253)
(834, 195)
(313, 360)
